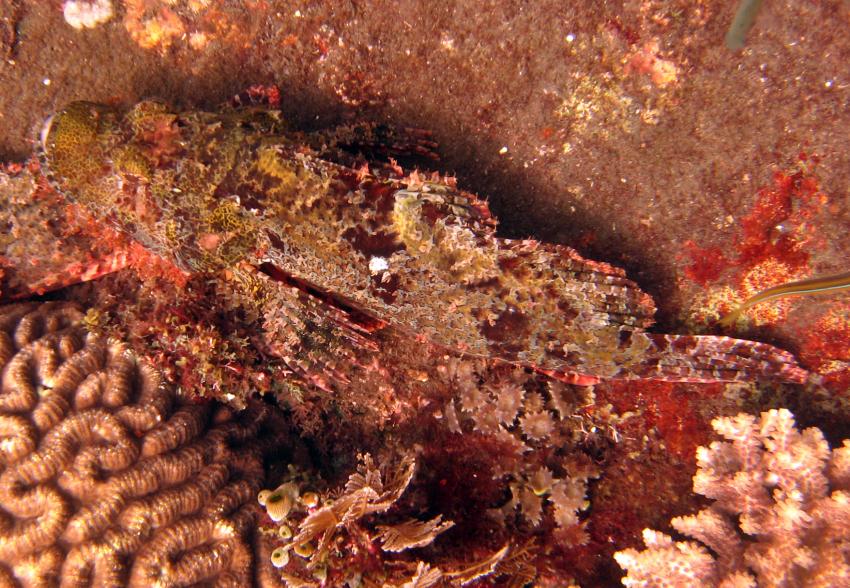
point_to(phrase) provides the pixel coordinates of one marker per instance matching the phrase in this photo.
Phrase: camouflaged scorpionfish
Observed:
(325, 246)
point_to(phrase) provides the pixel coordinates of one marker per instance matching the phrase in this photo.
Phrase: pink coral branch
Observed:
(781, 515)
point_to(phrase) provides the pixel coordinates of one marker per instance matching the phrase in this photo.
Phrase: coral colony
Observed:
(271, 361)
(107, 474)
(786, 492)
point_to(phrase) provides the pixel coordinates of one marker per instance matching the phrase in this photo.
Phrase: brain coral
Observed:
(109, 478)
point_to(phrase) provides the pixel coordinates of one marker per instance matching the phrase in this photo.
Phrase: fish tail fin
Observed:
(706, 358)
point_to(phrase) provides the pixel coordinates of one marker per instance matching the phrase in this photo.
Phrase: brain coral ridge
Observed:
(107, 476)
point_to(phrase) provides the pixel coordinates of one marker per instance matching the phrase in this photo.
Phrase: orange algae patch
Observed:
(827, 348)
(774, 246)
(152, 26)
(647, 60)
(706, 263)
(669, 407)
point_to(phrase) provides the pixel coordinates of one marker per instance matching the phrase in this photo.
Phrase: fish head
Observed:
(74, 146)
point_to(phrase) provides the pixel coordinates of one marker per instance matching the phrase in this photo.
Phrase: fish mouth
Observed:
(46, 127)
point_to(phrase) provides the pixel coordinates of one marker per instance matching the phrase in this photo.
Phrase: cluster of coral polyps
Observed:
(328, 540)
(780, 517)
(107, 478)
(315, 529)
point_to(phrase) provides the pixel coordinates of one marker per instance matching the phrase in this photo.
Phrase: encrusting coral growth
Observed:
(529, 417)
(780, 517)
(82, 14)
(107, 477)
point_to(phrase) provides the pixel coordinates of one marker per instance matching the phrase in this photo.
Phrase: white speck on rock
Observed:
(378, 264)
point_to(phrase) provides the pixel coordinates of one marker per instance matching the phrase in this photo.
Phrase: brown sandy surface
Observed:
(629, 126)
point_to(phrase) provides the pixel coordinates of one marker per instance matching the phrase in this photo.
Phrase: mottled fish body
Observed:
(235, 192)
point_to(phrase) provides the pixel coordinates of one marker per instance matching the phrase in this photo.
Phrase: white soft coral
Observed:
(86, 13)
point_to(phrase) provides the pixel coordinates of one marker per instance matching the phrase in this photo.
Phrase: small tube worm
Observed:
(744, 18)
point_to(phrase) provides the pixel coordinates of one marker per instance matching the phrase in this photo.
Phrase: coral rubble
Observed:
(107, 478)
(780, 516)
